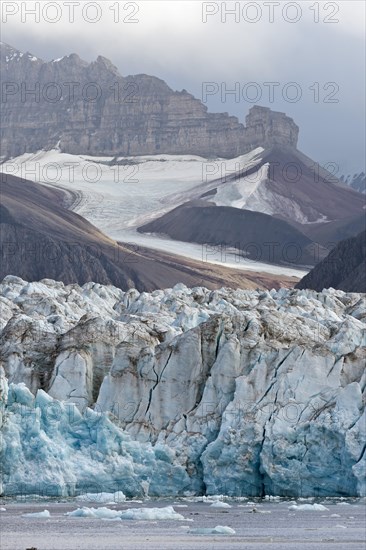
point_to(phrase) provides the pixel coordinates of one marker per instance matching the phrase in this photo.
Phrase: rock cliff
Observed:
(90, 108)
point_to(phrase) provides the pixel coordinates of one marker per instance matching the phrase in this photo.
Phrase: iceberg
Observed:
(218, 530)
(99, 513)
(220, 504)
(139, 514)
(309, 507)
(107, 498)
(41, 515)
(152, 514)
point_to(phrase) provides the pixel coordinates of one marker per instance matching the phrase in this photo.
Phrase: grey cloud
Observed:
(171, 42)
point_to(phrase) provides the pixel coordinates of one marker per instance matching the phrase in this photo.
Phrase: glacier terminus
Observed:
(182, 391)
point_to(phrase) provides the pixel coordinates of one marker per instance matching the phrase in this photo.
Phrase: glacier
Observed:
(182, 391)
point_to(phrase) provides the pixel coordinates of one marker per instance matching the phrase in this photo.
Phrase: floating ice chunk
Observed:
(44, 514)
(219, 504)
(151, 514)
(82, 513)
(2, 509)
(218, 530)
(106, 513)
(100, 513)
(309, 507)
(224, 530)
(103, 497)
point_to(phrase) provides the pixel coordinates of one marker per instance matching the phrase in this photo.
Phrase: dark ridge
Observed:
(258, 236)
(329, 234)
(344, 268)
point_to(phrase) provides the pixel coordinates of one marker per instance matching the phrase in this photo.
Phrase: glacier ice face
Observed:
(182, 390)
(50, 448)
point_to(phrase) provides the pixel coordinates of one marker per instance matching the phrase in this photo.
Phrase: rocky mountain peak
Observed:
(133, 115)
(73, 57)
(9, 55)
(266, 128)
(107, 64)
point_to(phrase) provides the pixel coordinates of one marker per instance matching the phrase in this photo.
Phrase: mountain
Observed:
(257, 236)
(330, 233)
(89, 108)
(267, 191)
(276, 195)
(357, 181)
(344, 268)
(240, 393)
(40, 238)
(283, 182)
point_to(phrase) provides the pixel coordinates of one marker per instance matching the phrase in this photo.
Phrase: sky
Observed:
(304, 58)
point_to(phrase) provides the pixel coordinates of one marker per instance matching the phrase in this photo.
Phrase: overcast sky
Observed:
(317, 45)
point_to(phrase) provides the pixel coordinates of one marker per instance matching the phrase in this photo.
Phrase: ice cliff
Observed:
(181, 390)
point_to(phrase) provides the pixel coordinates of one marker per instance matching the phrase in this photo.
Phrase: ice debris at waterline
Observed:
(218, 530)
(107, 498)
(41, 515)
(140, 514)
(308, 507)
(219, 504)
(182, 391)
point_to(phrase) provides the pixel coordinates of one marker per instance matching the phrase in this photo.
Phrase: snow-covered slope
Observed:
(116, 194)
(125, 195)
(236, 392)
(119, 194)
